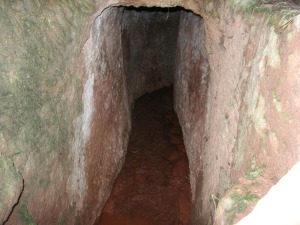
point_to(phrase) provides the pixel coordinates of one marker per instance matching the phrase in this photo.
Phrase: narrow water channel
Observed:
(153, 185)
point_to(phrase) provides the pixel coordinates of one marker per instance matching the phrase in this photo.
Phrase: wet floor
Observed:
(153, 185)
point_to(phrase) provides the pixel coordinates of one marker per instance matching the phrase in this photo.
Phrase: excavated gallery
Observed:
(149, 112)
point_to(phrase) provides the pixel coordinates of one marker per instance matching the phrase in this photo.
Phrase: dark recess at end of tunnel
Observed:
(149, 43)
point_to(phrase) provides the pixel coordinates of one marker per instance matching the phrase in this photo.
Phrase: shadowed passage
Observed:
(153, 186)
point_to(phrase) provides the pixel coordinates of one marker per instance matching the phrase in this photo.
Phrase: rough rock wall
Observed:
(45, 90)
(40, 95)
(270, 143)
(252, 122)
(106, 109)
(64, 116)
(251, 104)
(190, 88)
(225, 43)
(149, 38)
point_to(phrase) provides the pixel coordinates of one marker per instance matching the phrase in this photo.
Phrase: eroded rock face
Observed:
(243, 117)
(250, 69)
(64, 109)
(106, 118)
(190, 88)
(40, 98)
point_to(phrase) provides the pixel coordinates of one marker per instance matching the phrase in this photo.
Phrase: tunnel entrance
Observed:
(140, 51)
(153, 186)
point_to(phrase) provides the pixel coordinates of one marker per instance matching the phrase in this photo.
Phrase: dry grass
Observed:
(281, 4)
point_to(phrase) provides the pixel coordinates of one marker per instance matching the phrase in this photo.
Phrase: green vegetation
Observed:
(239, 204)
(11, 182)
(25, 217)
(277, 104)
(40, 91)
(36, 47)
(276, 17)
(255, 170)
(249, 6)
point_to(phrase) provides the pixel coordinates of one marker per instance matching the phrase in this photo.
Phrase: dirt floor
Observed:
(153, 185)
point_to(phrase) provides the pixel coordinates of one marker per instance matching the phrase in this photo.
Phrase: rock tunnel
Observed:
(71, 73)
(149, 64)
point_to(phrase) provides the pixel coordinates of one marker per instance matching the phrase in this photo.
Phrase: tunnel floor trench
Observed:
(153, 186)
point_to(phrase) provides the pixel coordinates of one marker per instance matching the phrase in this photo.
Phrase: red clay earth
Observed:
(153, 185)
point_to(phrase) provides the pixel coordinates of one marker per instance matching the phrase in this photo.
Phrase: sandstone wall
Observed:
(252, 123)
(40, 96)
(62, 83)
(190, 89)
(64, 110)
(242, 141)
(106, 118)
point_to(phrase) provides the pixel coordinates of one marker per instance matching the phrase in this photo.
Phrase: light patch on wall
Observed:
(259, 119)
(276, 102)
(297, 21)
(82, 132)
(88, 105)
(82, 124)
(205, 71)
(290, 36)
(271, 54)
(274, 141)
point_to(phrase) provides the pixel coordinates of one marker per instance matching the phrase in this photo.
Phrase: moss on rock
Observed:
(40, 89)
(11, 185)
(24, 216)
(36, 48)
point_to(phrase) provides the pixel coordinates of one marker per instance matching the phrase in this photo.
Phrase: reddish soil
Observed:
(153, 185)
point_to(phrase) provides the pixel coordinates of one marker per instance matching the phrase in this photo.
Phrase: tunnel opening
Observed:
(153, 185)
(154, 52)
(135, 51)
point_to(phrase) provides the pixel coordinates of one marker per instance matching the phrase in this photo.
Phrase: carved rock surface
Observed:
(65, 101)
